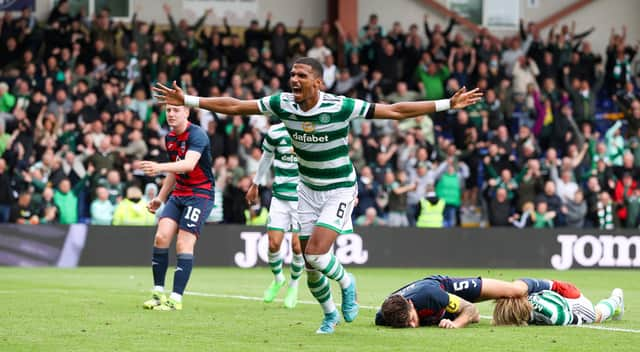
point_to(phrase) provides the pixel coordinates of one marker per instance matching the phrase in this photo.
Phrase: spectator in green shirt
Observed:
(543, 216)
(66, 199)
(432, 76)
(7, 100)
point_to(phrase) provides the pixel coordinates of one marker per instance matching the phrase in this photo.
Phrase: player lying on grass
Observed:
(448, 301)
(283, 211)
(563, 304)
(318, 124)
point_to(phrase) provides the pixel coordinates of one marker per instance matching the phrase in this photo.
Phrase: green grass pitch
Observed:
(99, 309)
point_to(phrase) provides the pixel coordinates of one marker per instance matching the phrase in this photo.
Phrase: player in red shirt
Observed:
(188, 193)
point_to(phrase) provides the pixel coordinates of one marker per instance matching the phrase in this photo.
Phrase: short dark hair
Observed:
(395, 311)
(316, 67)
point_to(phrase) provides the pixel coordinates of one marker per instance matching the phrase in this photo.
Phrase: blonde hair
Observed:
(529, 207)
(512, 311)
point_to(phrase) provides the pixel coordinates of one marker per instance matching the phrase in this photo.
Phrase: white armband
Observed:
(191, 101)
(441, 105)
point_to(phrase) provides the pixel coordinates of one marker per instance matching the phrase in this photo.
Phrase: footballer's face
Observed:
(414, 320)
(304, 83)
(177, 116)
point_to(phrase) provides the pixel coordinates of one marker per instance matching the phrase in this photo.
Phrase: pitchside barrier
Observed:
(246, 247)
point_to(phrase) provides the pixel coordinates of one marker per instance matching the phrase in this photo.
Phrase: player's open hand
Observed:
(447, 324)
(166, 95)
(154, 204)
(150, 168)
(252, 195)
(462, 98)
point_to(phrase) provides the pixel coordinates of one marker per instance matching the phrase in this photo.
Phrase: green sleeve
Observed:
(491, 171)
(521, 174)
(444, 72)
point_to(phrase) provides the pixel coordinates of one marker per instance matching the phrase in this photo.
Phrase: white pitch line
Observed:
(249, 298)
(487, 317)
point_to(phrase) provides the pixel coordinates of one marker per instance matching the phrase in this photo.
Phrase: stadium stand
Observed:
(556, 141)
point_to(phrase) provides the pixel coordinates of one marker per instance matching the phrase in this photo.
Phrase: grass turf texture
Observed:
(99, 309)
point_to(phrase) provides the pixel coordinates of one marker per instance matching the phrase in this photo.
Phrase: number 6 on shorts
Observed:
(340, 212)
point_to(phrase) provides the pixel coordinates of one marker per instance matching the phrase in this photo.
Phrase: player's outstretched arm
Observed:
(404, 110)
(468, 313)
(224, 105)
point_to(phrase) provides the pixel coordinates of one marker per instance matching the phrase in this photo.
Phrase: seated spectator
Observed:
(24, 211)
(607, 214)
(576, 210)
(48, 211)
(132, 211)
(526, 218)
(370, 218)
(101, 208)
(500, 209)
(553, 203)
(543, 216)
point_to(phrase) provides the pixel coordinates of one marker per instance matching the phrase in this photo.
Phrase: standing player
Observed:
(318, 124)
(283, 212)
(188, 205)
(563, 304)
(448, 301)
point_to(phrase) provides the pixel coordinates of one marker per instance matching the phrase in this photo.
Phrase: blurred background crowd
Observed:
(555, 142)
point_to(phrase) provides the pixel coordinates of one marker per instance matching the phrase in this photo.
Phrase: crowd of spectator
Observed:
(541, 150)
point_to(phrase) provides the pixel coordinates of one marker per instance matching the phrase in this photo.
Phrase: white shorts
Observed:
(330, 209)
(583, 308)
(283, 216)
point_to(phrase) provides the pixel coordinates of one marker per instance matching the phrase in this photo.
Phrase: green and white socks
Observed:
(297, 267)
(320, 288)
(275, 262)
(329, 265)
(610, 308)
